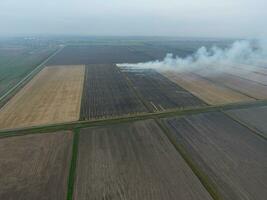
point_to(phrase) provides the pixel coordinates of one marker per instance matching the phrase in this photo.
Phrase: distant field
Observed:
(233, 157)
(35, 166)
(17, 62)
(158, 91)
(52, 96)
(249, 72)
(98, 54)
(133, 161)
(255, 117)
(208, 91)
(242, 85)
(106, 94)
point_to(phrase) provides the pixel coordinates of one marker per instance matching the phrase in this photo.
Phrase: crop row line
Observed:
(72, 172)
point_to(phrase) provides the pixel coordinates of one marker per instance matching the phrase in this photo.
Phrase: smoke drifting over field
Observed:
(243, 52)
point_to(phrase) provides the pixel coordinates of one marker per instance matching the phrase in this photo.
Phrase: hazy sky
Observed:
(203, 18)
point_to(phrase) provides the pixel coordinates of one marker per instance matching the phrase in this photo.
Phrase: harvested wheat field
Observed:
(52, 96)
(35, 166)
(206, 90)
(133, 161)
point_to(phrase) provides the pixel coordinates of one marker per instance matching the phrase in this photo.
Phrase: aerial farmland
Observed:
(133, 161)
(113, 118)
(159, 92)
(232, 156)
(107, 93)
(43, 166)
(52, 96)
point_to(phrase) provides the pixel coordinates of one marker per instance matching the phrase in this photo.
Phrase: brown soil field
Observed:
(247, 87)
(52, 96)
(255, 117)
(231, 155)
(133, 161)
(246, 72)
(35, 166)
(250, 68)
(206, 90)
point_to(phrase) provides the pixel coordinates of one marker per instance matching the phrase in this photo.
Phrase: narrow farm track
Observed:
(115, 120)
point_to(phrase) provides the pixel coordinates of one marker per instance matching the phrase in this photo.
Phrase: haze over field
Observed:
(248, 52)
(203, 18)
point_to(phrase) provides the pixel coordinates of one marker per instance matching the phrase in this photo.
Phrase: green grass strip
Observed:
(203, 178)
(121, 119)
(72, 172)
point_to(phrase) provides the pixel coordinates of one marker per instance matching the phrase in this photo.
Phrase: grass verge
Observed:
(72, 172)
(122, 119)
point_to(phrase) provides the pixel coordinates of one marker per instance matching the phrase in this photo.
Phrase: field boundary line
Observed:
(73, 164)
(244, 124)
(26, 79)
(83, 90)
(202, 177)
(121, 119)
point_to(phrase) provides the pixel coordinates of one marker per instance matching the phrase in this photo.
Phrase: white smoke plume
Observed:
(242, 52)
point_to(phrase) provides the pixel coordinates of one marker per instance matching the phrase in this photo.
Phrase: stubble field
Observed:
(208, 91)
(52, 96)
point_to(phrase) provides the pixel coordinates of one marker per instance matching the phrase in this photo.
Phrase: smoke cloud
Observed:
(242, 52)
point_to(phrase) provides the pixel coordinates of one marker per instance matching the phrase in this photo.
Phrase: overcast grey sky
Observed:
(199, 18)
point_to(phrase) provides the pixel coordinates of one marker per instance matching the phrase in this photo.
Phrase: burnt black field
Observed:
(106, 94)
(158, 92)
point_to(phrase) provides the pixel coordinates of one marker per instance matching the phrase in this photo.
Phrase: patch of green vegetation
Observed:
(23, 80)
(73, 164)
(15, 66)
